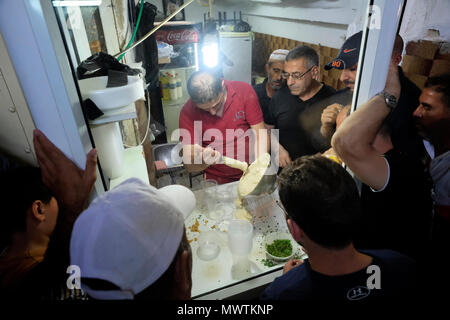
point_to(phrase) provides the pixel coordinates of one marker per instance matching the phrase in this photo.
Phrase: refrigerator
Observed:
(236, 48)
(176, 70)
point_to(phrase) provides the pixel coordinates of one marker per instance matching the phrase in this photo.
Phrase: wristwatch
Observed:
(391, 101)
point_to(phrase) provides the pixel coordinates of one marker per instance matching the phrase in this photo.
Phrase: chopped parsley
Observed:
(280, 248)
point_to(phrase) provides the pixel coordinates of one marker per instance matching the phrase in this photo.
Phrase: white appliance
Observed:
(236, 48)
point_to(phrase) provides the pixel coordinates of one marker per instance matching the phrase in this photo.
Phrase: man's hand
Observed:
(196, 158)
(70, 185)
(196, 154)
(291, 264)
(284, 158)
(328, 119)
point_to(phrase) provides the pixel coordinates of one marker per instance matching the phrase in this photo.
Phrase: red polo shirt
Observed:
(226, 134)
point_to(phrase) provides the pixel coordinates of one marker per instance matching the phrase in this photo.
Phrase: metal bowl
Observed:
(265, 186)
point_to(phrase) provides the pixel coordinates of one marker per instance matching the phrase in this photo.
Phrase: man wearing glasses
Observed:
(295, 110)
(219, 115)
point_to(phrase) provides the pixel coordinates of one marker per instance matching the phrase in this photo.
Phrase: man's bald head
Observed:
(204, 86)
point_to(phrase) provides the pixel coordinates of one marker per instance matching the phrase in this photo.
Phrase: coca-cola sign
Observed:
(177, 36)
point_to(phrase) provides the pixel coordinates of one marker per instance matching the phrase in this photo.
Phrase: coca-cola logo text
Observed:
(178, 36)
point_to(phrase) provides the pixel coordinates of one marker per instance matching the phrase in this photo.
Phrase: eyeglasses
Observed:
(286, 215)
(295, 75)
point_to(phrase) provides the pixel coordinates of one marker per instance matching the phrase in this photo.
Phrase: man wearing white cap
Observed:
(131, 243)
(273, 82)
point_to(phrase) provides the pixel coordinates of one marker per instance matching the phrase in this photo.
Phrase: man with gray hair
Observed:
(219, 115)
(295, 110)
(274, 80)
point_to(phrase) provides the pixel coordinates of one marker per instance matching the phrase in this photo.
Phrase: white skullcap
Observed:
(129, 236)
(278, 55)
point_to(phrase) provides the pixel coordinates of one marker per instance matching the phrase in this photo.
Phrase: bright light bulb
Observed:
(210, 54)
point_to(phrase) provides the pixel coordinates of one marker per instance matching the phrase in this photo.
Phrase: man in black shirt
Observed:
(396, 197)
(400, 120)
(295, 110)
(323, 208)
(273, 82)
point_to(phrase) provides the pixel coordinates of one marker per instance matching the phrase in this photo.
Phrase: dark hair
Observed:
(398, 44)
(20, 187)
(305, 52)
(204, 86)
(441, 84)
(322, 198)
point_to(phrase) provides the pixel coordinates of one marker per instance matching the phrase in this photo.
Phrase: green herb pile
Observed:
(280, 248)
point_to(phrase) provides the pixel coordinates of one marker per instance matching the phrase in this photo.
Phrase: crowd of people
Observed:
(392, 216)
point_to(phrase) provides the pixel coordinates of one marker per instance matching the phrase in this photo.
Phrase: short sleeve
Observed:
(253, 111)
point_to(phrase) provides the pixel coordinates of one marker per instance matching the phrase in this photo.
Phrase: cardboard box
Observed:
(423, 49)
(416, 65)
(440, 67)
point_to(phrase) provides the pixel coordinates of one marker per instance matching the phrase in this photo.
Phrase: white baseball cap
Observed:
(279, 55)
(129, 236)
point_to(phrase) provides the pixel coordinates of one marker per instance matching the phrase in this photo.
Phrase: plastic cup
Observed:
(205, 194)
(208, 246)
(240, 237)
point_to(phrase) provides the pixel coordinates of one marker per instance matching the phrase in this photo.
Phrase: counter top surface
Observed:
(208, 276)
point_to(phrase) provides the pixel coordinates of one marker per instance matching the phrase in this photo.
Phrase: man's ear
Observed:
(295, 230)
(183, 277)
(267, 68)
(37, 210)
(315, 72)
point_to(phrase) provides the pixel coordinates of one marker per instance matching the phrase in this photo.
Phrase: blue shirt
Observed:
(397, 278)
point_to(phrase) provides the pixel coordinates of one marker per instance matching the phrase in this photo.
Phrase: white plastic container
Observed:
(111, 98)
(109, 145)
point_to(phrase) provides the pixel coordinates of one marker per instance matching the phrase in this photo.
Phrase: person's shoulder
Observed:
(188, 108)
(259, 87)
(327, 90)
(282, 94)
(391, 258)
(290, 284)
(238, 85)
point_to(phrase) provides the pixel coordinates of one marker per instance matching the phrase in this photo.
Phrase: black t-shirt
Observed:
(299, 121)
(398, 217)
(404, 135)
(397, 279)
(263, 98)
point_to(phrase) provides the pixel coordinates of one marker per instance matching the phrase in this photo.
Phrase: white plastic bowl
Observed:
(271, 237)
(114, 97)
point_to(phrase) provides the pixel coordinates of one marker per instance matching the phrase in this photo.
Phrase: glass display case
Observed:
(70, 34)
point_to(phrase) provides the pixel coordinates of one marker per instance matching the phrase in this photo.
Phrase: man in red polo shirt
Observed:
(216, 121)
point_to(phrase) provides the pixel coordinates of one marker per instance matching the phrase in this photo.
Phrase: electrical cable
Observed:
(148, 125)
(135, 30)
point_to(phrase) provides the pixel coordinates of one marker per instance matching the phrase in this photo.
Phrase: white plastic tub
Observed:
(111, 98)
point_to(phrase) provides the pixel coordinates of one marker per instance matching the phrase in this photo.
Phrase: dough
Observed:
(254, 174)
(235, 163)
